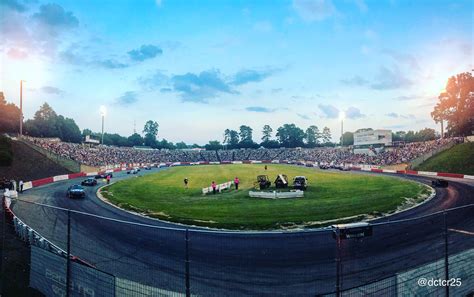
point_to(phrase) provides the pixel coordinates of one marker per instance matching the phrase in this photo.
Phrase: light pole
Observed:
(342, 115)
(103, 112)
(21, 107)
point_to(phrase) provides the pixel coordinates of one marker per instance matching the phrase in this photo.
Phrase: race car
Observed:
(89, 182)
(76, 191)
(323, 166)
(147, 167)
(103, 175)
(300, 183)
(441, 183)
(133, 171)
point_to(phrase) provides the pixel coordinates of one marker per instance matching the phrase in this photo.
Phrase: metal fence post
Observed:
(68, 262)
(446, 254)
(338, 265)
(188, 291)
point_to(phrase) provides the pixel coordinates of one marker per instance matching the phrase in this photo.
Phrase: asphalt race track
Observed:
(248, 263)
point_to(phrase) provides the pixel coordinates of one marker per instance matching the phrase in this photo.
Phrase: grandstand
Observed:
(105, 155)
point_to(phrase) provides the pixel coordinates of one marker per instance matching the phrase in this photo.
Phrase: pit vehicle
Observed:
(281, 181)
(300, 183)
(263, 182)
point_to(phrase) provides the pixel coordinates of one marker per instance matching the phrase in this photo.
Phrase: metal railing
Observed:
(75, 253)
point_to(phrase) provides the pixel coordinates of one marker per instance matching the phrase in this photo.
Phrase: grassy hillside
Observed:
(330, 195)
(6, 154)
(28, 164)
(458, 159)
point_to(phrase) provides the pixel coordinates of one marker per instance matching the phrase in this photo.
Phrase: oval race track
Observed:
(247, 263)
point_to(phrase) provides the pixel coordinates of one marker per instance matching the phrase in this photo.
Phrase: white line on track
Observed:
(462, 232)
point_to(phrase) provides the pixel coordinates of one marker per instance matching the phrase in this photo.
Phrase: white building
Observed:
(368, 141)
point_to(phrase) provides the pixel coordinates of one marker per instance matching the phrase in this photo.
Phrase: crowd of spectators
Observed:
(106, 155)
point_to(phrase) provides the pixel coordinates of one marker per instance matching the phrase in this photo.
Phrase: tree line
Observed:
(455, 107)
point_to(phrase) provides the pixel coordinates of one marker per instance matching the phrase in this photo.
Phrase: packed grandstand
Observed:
(105, 155)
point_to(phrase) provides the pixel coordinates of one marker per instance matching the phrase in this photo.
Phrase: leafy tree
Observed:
(86, 132)
(151, 132)
(246, 140)
(410, 136)
(348, 138)
(181, 145)
(456, 105)
(270, 144)
(10, 116)
(267, 133)
(135, 139)
(44, 123)
(231, 138)
(68, 129)
(425, 134)
(289, 135)
(399, 136)
(326, 135)
(312, 136)
(213, 145)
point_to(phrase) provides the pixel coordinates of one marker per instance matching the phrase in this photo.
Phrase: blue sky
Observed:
(199, 67)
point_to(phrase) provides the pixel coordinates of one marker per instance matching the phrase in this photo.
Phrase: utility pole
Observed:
(21, 108)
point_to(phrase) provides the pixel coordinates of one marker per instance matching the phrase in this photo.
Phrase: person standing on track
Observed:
(20, 186)
(108, 178)
(236, 183)
(214, 187)
(186, 182)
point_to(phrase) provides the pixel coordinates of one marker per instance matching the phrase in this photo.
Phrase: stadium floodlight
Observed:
(342, 116)
(103, 112)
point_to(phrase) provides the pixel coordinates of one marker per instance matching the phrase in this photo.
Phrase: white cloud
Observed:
(314, 10)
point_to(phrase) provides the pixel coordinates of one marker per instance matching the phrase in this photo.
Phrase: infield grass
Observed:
(330, 195)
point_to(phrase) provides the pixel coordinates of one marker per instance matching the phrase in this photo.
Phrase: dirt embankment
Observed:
(29, 164)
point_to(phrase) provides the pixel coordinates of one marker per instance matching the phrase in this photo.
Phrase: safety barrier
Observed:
(356, 167)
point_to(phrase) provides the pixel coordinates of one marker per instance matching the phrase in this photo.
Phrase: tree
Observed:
(231, 138)
(312, 136)
(348, 138)
(151, 132)
(399, 136)
(44, 123)
(267, 133)
(410, 136)
(10, 116)
(289, 135)
(246, 140)
(135, 139)
(456, 105)
(68, 130)
(213, 145)
(326, 135)
(425, 134)
(181, 145)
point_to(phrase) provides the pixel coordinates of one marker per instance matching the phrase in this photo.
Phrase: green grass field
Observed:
(458, 159)
(331, 195)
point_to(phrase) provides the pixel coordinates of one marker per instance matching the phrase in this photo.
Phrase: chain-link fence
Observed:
(58, 252)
